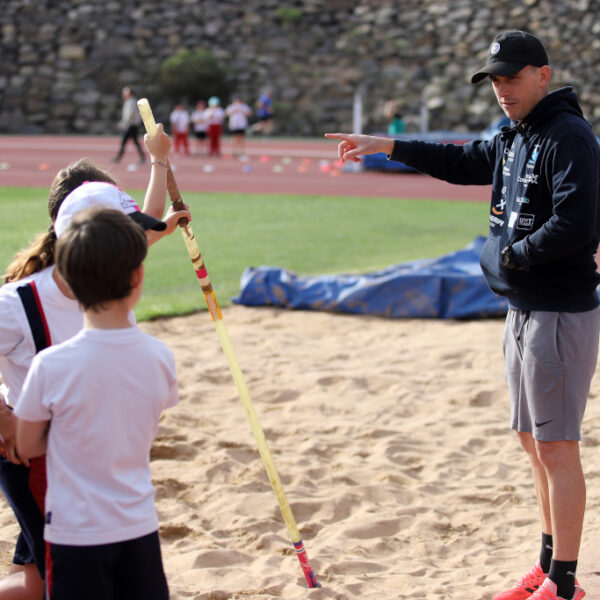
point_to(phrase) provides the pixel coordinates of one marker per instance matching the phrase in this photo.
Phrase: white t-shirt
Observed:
(238, 114)
(214, 115)
(199, 120)
(17, 347)
(103, 392)
(180, 120)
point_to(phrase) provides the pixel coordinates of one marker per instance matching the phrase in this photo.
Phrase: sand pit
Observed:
(391, 439)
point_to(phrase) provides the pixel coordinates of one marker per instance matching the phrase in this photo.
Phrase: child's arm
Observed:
(158, 146)
(32, 438)
(33, 416)
(8, 433)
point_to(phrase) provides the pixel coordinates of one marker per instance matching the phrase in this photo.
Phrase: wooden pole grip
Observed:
(174, 191)
(175, 196)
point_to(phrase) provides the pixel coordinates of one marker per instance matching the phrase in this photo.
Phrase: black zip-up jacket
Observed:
(545, 174)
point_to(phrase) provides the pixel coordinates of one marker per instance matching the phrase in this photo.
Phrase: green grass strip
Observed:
(308, 235)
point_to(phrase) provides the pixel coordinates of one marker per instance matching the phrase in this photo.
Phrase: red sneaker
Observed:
(526, 586)
(548, 591)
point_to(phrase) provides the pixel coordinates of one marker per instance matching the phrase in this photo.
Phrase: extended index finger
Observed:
(344, 140)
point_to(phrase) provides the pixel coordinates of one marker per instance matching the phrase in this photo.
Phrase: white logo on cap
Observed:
(128, 204)
(495, 48)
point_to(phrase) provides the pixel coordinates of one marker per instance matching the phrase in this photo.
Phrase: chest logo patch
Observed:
(525, 222)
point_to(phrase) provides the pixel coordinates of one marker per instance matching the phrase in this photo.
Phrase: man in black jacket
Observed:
(544, 232)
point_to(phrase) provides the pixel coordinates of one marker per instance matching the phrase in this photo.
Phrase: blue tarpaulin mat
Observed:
(449, 287)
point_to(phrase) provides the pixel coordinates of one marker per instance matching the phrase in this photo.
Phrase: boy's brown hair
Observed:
(97, 254)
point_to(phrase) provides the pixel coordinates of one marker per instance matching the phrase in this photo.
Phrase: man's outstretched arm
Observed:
(353, 145)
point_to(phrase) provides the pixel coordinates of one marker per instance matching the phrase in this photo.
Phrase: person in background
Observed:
(396, 125)
(393, 115)
(180, 128)
(129, 124)
(215, 115)
(200, 126)
(238, 113)
(264, 112)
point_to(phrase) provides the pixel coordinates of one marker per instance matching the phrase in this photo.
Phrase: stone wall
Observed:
(64, 62)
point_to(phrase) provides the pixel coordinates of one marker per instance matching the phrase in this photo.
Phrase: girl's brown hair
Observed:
(40, 252)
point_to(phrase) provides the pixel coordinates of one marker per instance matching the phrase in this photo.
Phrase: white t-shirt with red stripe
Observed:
(103, 392)
(17, 348)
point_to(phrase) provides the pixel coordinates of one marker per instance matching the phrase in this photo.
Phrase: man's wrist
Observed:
(389, 145)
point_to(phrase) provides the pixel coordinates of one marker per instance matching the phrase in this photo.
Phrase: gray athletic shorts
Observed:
(550, 360)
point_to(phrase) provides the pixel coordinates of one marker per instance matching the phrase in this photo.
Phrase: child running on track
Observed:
(93, 403)
(33, 269)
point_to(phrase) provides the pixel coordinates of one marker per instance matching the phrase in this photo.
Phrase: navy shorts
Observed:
(118, 571)
(15, 484)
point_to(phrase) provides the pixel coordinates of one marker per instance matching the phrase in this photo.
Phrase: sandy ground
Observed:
(391, 440)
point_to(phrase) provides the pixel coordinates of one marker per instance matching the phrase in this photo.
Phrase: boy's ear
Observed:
(137, 277)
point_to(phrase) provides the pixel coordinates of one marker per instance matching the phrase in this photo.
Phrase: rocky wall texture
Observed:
(64, 62)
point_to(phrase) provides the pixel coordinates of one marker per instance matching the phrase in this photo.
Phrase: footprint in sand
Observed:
(486, 398)
(242, 453)
(177, 451)
(378, 529)
(168, 488)
(174, 531)
(220, 558)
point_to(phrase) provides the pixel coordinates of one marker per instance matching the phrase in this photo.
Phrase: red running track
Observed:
(303, 166)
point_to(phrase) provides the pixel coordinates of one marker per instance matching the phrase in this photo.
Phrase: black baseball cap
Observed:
(510, 52)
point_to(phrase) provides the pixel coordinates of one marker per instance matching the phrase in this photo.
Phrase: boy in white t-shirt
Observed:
(238, 113)
(180, 128)
(93, 404)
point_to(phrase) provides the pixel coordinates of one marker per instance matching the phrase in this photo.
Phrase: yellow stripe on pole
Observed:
(257, 431)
